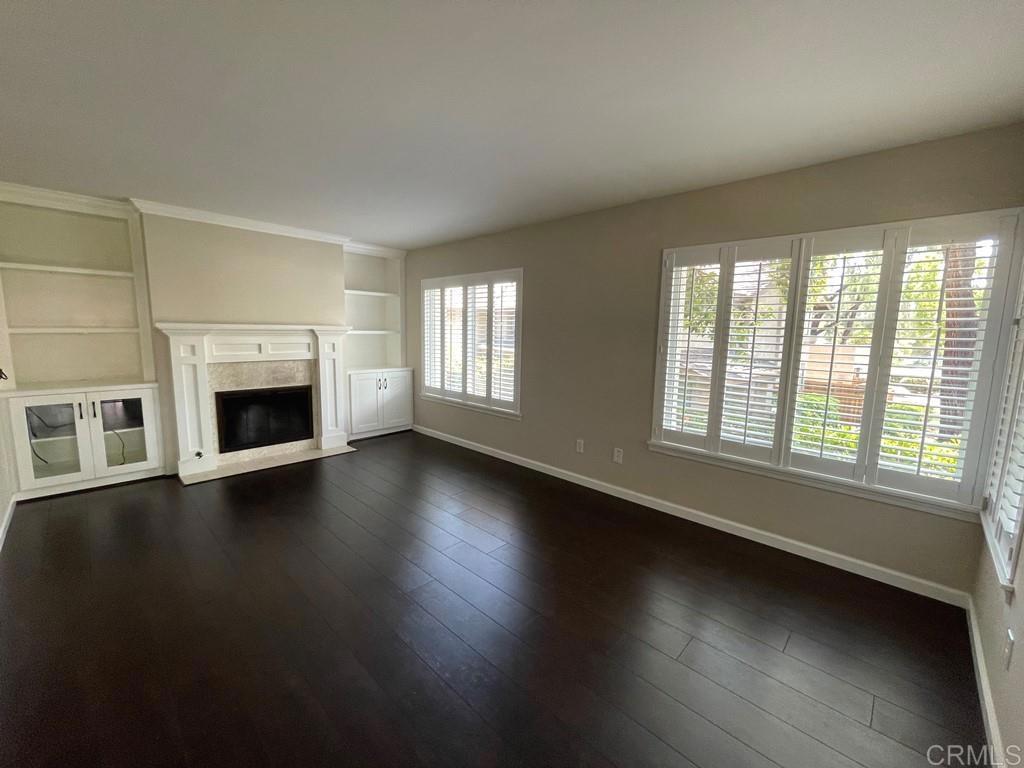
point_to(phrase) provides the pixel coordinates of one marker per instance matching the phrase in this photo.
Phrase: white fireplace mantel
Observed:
(194, 346)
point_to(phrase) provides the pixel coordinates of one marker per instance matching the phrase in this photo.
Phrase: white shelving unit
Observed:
(374, 298)
(375, 347)
(75, 342)
(74, 304)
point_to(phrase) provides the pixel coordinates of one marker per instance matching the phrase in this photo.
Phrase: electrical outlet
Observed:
(1008, 649)
(579, 445)
(617, 455)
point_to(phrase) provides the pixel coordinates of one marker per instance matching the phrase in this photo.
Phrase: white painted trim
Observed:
(360, 292)
(85, 485)
(79, 386)
(379, 432)
(22, 267)
(235, 222)
(988, 705)
(65, 201)
(844, 562)
(331, 390)
(5, 523)
(369, 249)
(71, 330)
(193, 328)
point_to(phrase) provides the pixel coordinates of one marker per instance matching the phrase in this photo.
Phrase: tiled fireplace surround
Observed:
(207, 358)
(257, 374)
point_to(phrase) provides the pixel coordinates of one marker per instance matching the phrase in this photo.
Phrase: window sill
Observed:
(801, 477)
(514, 415)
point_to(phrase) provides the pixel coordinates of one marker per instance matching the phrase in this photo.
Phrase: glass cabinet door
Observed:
(123, 432)
(52, 439)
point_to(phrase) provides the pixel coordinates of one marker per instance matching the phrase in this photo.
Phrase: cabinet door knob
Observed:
(94, 409)
(385, 383)
(378, 383)
(80, 414)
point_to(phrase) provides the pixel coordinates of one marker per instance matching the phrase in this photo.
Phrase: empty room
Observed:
(500, 383)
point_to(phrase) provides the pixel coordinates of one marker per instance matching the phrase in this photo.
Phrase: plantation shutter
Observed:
(755, 350)
(432, 339)
(503, 341)
(477, 312)
(838, 334)
(941, 324)
(1003, 513)
(471, 329)
(690, 311)
(453, 339)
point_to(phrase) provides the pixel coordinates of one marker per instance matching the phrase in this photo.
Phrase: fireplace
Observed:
(253, 418)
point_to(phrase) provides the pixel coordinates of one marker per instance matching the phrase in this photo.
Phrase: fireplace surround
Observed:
(196, 352)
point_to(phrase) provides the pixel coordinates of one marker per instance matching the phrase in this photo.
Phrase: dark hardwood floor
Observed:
(415, 603)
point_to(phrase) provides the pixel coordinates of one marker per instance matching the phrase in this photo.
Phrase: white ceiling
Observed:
(409, 122)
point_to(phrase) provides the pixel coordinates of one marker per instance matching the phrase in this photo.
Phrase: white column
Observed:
(332, 390)
(196, 452)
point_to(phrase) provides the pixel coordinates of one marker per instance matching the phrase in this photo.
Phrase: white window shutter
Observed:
(471, 339)
(503, 342)
(453, 339)
(838, 328)
(755, 349)
(692, 308)
(477, 313)
(432, 339)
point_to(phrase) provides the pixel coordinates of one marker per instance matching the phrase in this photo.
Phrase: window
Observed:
(853, 356)
(471, 339)
(1002, 515)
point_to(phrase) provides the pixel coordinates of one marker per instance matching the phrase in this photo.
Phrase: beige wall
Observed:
(209, 273)
(590, 322)
(590, 314)
(202, 272)
(994, 615)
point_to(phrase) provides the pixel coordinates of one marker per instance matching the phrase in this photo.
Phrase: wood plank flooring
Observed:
(415, 603)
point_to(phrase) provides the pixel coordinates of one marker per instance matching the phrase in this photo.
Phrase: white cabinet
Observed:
(67, 438)
(380, 400)
(396, 399)
(365, 388)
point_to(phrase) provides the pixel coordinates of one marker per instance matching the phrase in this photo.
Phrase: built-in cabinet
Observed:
(379, 386)
(380, 401)
(373, 309)
(63, 438)
(75, 342)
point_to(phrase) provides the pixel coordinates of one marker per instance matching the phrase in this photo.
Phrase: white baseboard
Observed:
(845, 562)
(85, 485)
(5, 522)
(988, 705)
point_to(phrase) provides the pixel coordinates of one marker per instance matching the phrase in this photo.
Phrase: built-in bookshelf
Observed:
(374, 285)
(74, 304)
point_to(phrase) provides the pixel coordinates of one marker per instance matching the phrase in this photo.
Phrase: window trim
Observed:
(463, 399)
(967, 504)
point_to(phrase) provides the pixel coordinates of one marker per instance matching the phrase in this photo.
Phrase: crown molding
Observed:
(369, 249)
(64, 201)
(235, 222)
(203, 328)
(100, 206)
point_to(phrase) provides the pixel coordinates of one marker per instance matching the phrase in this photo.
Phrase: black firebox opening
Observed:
(251, 418)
